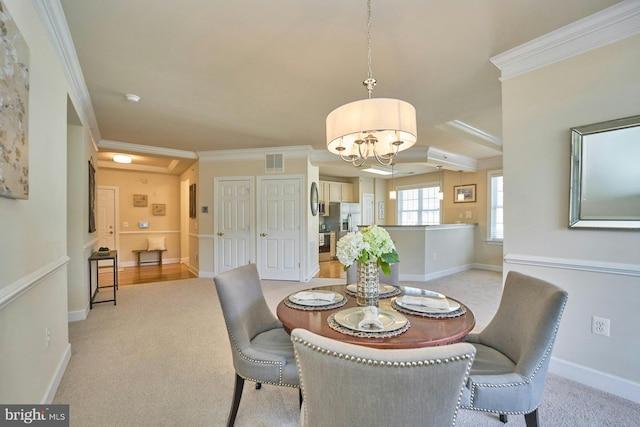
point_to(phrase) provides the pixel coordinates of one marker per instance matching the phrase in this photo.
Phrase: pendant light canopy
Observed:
(373, 127)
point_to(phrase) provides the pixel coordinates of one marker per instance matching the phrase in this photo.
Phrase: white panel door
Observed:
(279, 229)
(234, 243)
(106, 220)
(367, 209)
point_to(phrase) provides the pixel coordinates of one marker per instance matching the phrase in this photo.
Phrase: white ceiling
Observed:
(219, 75)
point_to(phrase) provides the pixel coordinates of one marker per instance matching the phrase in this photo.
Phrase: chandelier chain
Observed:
(370, 75)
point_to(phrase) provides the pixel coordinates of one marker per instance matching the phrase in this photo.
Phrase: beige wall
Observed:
(159, 188)
(80, 243)
(253, 168)
(189, 226)
(539, 108)
(487, 255)
(33, 246)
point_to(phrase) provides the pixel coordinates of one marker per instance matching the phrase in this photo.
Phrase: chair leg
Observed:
(237, 394)
(503, 418)
(531, 419)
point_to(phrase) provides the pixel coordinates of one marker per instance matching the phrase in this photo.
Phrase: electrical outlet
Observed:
(435, 256)
(47, 333)
(600, 326)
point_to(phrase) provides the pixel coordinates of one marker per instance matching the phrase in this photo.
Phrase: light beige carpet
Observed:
(161, 357)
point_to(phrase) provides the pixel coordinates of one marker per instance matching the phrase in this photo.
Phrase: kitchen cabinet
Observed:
(336, 191)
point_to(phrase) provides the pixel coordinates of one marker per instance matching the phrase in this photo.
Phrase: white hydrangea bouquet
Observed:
(372, 243)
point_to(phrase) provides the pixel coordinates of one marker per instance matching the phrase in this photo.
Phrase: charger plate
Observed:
(428, 313)
(386, 291)
(292, 302)
(346, 321)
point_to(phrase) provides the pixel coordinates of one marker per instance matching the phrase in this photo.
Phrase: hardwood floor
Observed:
(148, 274)
(331, 269)
(166, 272)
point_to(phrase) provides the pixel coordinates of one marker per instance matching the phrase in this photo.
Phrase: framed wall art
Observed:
(140, 200)
(14, 114)
(159, 209)
(464, 193)
(92, 197)
(192, 201)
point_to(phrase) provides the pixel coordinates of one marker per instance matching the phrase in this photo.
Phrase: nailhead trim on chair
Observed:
(387, 364)
(262, 362)
(527, 380)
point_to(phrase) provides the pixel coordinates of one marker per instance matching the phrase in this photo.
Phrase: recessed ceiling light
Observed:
(121, 158)
(377, 171)
(132, 98)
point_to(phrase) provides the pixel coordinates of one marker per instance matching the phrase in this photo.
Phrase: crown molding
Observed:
(55, 25)
(293, 152)
(602, 28)
(460, 128)
(451, 161)
(490, 163)
(146, 149)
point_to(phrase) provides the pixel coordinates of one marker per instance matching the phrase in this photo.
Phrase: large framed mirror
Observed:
(605, 175)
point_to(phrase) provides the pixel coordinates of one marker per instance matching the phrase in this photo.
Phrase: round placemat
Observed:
(456, 313)
(393, 293)
(292, 304)
(361, 334)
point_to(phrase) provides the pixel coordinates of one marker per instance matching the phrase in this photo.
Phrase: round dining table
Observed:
(423, 331)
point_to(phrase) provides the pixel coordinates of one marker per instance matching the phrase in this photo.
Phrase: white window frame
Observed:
(434, 184)
(491, 206)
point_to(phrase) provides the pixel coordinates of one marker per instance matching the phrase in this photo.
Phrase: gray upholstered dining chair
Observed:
(513, 351)
(351, 385)
(261, 348)
(392, 279)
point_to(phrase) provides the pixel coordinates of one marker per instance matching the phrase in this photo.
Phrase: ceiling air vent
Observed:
(274, 163)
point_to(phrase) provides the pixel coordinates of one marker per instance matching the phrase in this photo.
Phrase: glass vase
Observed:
(368, 288)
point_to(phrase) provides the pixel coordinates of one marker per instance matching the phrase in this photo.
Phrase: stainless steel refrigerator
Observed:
(343, 218)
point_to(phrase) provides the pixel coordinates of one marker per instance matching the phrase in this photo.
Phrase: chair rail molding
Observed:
(575, 264)
(22, 285)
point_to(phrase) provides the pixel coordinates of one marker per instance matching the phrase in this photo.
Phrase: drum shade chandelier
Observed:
(373, 127)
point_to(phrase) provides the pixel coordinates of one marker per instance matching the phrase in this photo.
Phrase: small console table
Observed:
(96, 257)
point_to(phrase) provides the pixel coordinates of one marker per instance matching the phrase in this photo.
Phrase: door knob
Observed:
(263, 234)
(220, 233)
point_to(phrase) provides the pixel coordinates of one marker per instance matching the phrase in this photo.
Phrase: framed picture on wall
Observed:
(140, 200)
(158, 209)
(192, 201)
(380, 210)
(464, 193)
(92, 198)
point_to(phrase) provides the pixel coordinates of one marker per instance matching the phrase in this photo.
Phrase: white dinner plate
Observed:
(350, 317)
(453, 306)
(316, 302)
(383, 289)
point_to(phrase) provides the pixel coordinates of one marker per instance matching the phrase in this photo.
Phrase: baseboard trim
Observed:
(57, 377)
(447, 272)
(599, 380)
(574, 264)
(488, 267)
(77, 315)
(206, 274)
